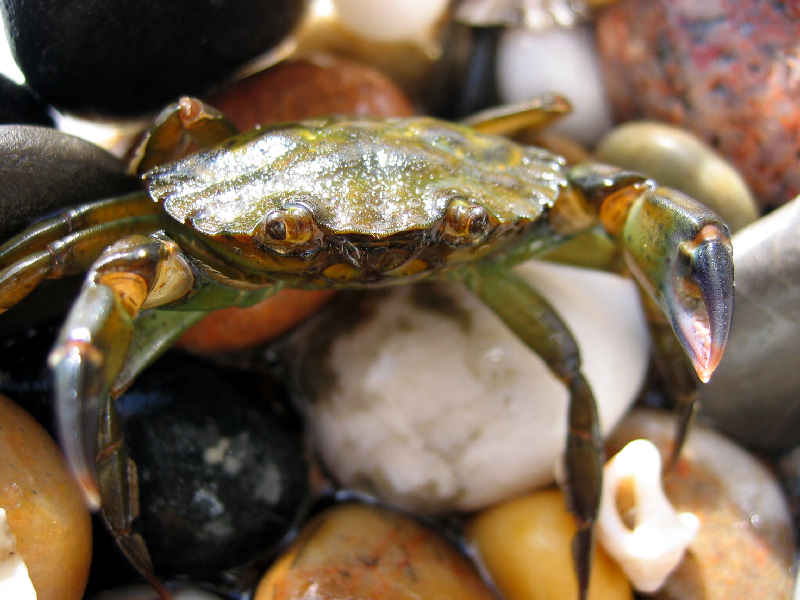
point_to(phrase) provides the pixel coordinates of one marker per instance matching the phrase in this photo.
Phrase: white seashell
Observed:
(653, 548)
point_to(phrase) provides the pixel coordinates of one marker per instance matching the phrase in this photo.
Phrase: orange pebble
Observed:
(44, 507)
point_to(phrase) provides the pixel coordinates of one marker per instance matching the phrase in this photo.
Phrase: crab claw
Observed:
(681, 253)
(703, 328)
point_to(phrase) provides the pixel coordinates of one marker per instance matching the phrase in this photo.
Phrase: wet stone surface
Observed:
(126, 57)
(363, 552)
(43, 170)
(222, 473)
(724, 70)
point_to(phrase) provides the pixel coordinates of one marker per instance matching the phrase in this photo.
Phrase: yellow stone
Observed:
(45, 510)
(525, 546)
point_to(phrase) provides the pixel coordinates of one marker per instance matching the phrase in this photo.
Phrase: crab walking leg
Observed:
(94, 341)
(69, 255)
(538, 325)
(40, 235)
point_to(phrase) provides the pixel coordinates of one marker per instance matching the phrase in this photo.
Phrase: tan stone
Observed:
(44, 507)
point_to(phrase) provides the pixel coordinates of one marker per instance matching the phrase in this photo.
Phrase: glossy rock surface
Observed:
(676, 158)
(43, 169)
(753, 396)
(424, 398)
(725, 70)
(745, 546)
(127, 57)
(222, 472)
(525, 546)
(557, 60)
(361, 552)
(44, 507)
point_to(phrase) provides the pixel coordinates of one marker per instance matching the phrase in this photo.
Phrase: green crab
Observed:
(227, 219)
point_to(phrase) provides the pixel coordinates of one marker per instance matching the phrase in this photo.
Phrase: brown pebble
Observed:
(363, 552)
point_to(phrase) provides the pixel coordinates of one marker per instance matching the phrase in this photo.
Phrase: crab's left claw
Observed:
(681, 253)
(703, 330)
(678, 250)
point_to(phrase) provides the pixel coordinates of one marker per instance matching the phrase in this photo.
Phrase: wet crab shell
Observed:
(382, 169)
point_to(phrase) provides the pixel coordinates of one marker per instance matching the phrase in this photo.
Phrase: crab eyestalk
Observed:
(680, 251)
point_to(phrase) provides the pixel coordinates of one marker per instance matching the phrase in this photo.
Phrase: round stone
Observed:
(726, 71)
(222, 472)
(362, 552)
(674, 157)
(530, 63)
(525, 545)
(44, 507)
(423, 397)
(43, 169)
(318, 86)
(116, 56)
(390, 19)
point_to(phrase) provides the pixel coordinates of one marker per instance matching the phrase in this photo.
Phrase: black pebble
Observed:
(130, 56)
(222, 470)
(43, 170)
(18, 105)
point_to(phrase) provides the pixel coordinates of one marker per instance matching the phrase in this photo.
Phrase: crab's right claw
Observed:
(681, 253)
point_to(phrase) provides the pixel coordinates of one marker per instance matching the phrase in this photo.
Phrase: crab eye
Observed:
(290, 226)
(465, 222)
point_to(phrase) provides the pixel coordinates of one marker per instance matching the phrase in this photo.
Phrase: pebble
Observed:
(119, 57)
(222, 470)
(745, 546)
(408, 59)
(44, 508)
(363, 552)
(291, 91)
(676, 158)
(43, 170)
(319, 85)
(525, 545)
(390, 20)
(727, 71)
(18, 105)
(753, 395)
(424, 398)
(561, 60)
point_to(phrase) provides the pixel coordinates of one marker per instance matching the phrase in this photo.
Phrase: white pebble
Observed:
(390, 20)
(431, 415)
(556, 60)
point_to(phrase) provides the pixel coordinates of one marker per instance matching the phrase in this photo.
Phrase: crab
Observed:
(227, 219)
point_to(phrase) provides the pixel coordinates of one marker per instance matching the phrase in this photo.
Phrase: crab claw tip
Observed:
(702, 315)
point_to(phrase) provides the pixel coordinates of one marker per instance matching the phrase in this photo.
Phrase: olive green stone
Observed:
(676, 158)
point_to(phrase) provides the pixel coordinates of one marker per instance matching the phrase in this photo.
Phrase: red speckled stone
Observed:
(727, 70)
(291, 91)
